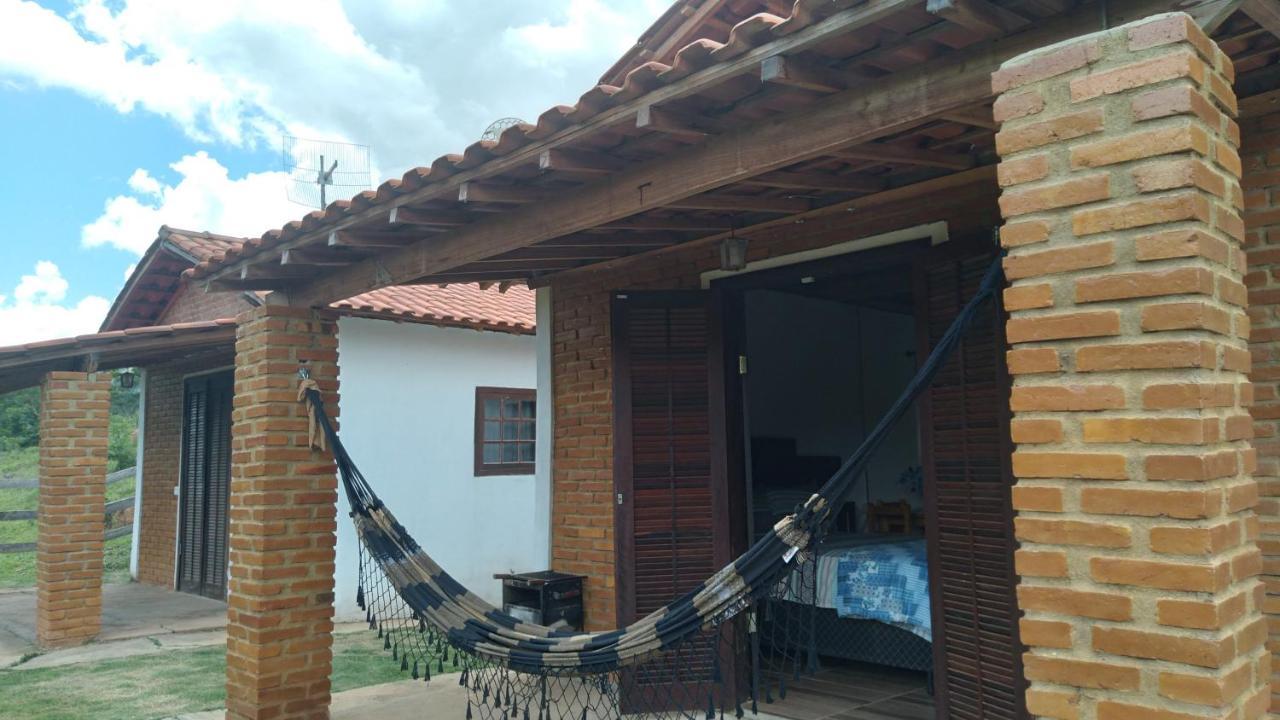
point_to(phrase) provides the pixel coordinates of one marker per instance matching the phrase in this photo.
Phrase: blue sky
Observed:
(119, 115)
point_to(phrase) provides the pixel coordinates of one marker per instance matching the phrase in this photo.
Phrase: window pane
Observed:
(526, 452)
(526, 430)
(510, 408)
(492, 430)
(509, 430)
(491, 407)
(491, 452)
(527, 408)
(510, 453)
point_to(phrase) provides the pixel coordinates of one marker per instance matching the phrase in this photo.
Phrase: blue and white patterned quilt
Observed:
(888, 582)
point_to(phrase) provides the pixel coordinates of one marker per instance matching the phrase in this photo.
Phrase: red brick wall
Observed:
(282, 521)
(582, 458)
(191, 304)
(1135, 489)
(74, 409)
(1260, 152)
(161, 465)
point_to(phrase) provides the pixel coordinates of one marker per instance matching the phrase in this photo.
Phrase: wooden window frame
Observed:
(483, 469)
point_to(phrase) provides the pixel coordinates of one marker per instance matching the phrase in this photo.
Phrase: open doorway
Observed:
(826, 347)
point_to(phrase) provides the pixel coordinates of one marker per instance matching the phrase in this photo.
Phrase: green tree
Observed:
(20, 419)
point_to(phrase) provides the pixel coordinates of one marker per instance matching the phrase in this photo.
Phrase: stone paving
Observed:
(132, 615)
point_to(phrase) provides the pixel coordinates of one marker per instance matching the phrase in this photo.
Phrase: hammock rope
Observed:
(512, 667)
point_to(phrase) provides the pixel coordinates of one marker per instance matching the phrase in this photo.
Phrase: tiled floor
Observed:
(856, 692)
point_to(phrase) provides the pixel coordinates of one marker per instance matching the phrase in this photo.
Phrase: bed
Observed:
(871, 600)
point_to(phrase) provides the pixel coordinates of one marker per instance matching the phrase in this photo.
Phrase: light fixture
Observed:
(126, 377)
(733, 252)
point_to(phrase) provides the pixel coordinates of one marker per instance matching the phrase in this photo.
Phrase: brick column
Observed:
(1261, 153)
(282, 521)
(1135, 498)
(74, 412)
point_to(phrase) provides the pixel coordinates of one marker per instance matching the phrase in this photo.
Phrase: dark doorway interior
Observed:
(828, 346)
(205, 485)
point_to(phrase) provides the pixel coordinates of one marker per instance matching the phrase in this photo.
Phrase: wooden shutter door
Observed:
(670, 517)
(205, 480)
(218, 485)
(192, 490)
(966, 451)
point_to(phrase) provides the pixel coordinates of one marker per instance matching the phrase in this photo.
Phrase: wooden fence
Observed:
(118, 514)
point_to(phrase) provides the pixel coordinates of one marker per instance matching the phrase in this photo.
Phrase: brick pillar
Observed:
(1261, 153)
(74, 412)
(1135, 494)
(282, 521)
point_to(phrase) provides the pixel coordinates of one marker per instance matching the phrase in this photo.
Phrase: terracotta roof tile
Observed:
(454, 305)
(202, 244)
(743, 37)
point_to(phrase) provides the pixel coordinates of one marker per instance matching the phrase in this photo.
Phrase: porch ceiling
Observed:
(834, 107)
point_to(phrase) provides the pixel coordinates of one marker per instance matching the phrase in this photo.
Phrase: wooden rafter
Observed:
(328, 257)
(896, 154)
(439, 218)
(366, 239)
(793, 72)
(578, 161)
(626, 240)
(477, 192)
(817, 181)
(648, 223)
(1264, 12)
(676, 124)
(741, 203)
(980, 16)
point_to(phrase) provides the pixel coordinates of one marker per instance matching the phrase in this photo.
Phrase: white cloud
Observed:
(36, 313)
(205, 197)
(412, 80)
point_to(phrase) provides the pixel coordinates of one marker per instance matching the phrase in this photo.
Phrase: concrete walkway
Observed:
(440, 699)
(136, 619)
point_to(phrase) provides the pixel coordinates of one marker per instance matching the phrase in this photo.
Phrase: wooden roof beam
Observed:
(673, 123)
(326, 257)
(797, 73)
(644, 224)
(578, 252)
(619, 240)
(979, 16)
(898, 155)
(578, 161)
(433, 218)
(980, 118)
(742, 203)
(474, 192)
(368, 240)
(817, 181)
(1264, 12)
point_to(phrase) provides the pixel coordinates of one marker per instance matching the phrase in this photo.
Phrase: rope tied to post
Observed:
(315, 438)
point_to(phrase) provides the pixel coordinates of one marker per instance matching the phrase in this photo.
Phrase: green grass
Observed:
(28, 498)
(171, 683)
(19, 464)
(19, 569)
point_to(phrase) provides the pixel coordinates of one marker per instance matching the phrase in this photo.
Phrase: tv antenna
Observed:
(494, 131)
(322, 169)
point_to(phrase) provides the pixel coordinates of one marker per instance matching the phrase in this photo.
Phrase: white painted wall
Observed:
(407, 417)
